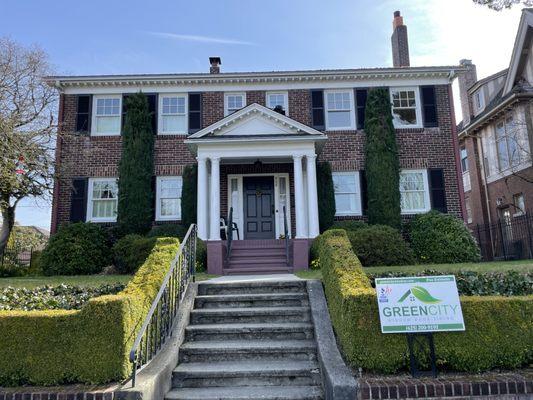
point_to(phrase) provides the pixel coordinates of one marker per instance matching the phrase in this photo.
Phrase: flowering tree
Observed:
(499, 5)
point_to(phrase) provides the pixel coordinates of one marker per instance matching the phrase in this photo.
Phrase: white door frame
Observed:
(240, 212)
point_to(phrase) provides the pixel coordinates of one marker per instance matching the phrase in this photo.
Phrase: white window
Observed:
(405, 107)
(106, 118)
(479, 100)
(168, 201)
(347, 193)
(507, 144)
(233, 102)
(519, 204)
(340, 113)
(102, 200)
(464, 159)
(468, 207)
(172, 114)
(414, 191)
(274, 99)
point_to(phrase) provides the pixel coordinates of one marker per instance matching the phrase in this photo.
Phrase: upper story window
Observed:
(406, 107)
(102, 200)
(347, 193)
(274, 99)
(479, 100)
(507, 145)
(168, 193)
(414, 191)
(340, 113)
(464, 159)
(233, 102)
(519, 204)
(107, 115)
(173, 114)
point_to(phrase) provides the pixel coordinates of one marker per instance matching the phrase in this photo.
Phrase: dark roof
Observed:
(489, 78)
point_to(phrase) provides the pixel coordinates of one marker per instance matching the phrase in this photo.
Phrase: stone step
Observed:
(252, 287)
(261, 252)
(257, 269)
(248, 393)
(250, 315)
(246, 373)
(251, 300)
(276, 331)
(212, 351)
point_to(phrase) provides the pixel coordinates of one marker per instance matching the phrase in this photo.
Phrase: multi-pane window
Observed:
(233, 102)
(339, 110)
(507, 144)
(479, 100)
(168, 205)
(404, 107)
(103, 200)
(347, 193)
(173, 114)
(278, 99)
(464, 159)
(106, 119)
(519, 204)
(414, 191)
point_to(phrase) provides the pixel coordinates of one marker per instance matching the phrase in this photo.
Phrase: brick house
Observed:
(496, 135)
(254, 159)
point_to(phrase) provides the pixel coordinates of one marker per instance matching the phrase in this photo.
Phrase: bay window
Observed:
(168, 198)
(405, 107)
(102, 200)
(414, 191)
(173, 114)
(347, 193)
(107, 115)
(340, 114)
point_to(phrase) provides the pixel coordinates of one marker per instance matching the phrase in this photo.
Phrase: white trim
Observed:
(351, 110)
(94, 116)
(418, 106)
(358, 207)
(427, 199)
(158, 216)
(90, 185)
(283, 93)
(160, 113)
(479, 100)
(226, 95)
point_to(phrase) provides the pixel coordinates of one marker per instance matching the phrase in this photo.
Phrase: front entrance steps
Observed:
(258, 257)
(249, 340)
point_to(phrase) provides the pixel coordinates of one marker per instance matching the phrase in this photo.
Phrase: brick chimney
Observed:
(466, 80)
(215, 65)
(399, 41)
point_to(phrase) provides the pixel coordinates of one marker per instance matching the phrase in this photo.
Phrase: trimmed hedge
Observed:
(498, 333)
(130, 252)
(90, 345)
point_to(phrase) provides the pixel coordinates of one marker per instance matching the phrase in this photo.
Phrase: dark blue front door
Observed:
(259, 207)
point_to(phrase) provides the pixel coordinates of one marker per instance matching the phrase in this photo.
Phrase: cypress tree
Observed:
(135, 192)
(326, 196)
(189, 194)
(382, 165)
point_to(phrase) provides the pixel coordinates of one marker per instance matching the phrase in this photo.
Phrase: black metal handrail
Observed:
(229, 233)
(159, 321)
(286, 232)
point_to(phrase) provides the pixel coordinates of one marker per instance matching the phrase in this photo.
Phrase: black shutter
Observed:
(360, 104)
(317, 109)
(195, 112)
(152, 108)
(78, 200)
(83, 113)
(364, 193)
(429, 106)
(124, 110)
(436, 190)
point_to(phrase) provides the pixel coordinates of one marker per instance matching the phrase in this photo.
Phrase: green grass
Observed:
(309, 274)
(203, 276)
(30, 282)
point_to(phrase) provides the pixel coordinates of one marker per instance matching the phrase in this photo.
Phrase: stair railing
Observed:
(229, 233)
(286, 233)
(159, 322)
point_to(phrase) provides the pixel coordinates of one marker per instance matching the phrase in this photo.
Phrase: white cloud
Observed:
(201, 39)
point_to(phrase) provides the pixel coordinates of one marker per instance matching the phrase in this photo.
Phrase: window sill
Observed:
(414, 212)
(102, 220)
(356, 214)
(163, 219)
(346, 128)
(104, 134)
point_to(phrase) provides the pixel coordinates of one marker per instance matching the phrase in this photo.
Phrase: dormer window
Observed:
(479, 100)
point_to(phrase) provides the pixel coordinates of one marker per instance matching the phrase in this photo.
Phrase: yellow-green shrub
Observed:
(499, 330)
(90, 345)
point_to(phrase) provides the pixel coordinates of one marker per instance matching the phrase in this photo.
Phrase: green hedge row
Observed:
(90, 345)
(499, 330)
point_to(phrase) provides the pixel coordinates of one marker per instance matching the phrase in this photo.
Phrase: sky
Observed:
(115, 37)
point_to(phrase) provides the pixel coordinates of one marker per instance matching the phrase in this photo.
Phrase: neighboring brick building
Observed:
(496, 136)
(253, 158)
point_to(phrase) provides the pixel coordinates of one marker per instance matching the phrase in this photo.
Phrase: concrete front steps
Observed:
(249, 340)
(258, 257)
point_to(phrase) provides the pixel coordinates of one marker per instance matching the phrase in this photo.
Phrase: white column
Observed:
(299, 198)
(312, 197)
(201, 212)
(214, 220)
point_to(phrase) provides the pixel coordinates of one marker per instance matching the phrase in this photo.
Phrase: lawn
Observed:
(30, 282)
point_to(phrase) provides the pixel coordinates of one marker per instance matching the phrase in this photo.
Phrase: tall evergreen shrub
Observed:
(189, 194)
(382, 165)
(135, 192)
(326, 196)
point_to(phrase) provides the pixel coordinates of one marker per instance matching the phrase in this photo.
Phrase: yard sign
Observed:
(419, 304)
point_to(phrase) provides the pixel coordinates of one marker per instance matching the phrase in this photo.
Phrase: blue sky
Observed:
(112, 37)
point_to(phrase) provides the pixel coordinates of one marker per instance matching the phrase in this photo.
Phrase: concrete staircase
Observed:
(251, 340)
(258, 257)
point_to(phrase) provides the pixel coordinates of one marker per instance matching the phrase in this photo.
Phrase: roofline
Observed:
(481, 82)
(521, 33)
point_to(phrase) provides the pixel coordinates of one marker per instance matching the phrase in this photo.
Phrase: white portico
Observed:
(249, 139)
